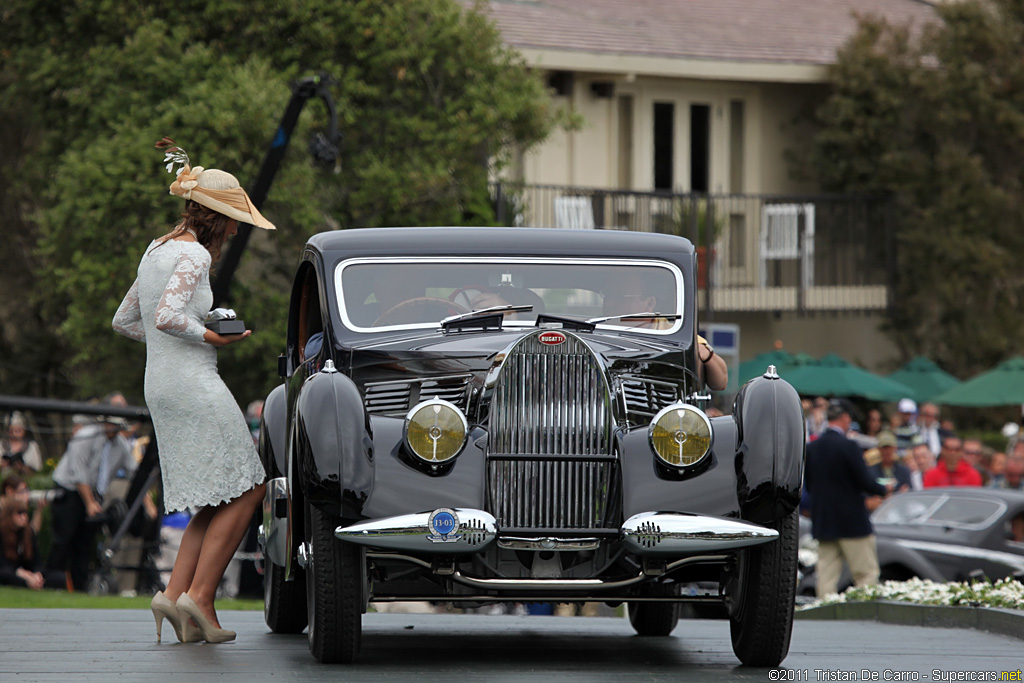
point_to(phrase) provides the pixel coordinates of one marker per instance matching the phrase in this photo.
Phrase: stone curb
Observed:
(1006, 622)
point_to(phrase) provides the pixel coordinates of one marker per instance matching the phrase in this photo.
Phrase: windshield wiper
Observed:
(569, 322)
(492, 316)
(566, 322)
(633, 316)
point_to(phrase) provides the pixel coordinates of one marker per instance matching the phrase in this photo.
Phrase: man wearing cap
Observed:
(94, 454)
(837, 479)
(908, 434)
(889, 469)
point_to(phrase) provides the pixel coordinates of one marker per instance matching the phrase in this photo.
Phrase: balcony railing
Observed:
(754, 252)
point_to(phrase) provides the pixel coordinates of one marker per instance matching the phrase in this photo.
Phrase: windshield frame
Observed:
(674, 270)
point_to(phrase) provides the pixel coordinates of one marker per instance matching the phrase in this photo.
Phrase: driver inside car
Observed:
(636, 294)
(510, 296)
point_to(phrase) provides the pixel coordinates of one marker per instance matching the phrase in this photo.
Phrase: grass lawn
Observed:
(48, 599)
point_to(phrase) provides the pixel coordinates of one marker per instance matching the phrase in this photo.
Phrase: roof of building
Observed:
(775, 31)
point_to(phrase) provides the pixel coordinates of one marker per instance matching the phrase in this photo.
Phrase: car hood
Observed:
(433, 354)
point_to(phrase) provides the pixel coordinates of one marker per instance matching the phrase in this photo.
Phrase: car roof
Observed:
(427, 241)
(1006, 495)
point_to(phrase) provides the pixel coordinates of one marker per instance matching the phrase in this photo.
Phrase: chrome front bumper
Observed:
(446, 530)
(668, 534)
(462, 531)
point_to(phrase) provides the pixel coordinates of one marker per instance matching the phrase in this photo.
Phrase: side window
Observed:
(1015, 531)
(310, 319)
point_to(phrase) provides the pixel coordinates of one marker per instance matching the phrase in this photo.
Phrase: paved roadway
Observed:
(118, 645)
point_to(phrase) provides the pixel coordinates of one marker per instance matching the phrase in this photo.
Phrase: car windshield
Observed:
(938, 510)
(408, 293)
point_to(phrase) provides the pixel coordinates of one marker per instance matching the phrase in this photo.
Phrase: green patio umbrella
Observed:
(756, 366)
(835, 376)
(1001, 386)
(925, 377)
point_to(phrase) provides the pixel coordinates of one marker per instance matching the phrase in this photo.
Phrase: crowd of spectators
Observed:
(71, 493)
(850, 470)
(925, 450)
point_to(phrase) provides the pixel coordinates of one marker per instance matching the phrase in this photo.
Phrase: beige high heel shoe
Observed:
(211, 634)
(163, 608)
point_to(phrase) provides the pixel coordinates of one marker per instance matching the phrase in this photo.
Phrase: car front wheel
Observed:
(334, 591)
(763, 598)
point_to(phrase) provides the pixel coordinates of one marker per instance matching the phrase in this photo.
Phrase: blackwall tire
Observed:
(762, 622)
(655, 618)
(284, 602)
(334, 592)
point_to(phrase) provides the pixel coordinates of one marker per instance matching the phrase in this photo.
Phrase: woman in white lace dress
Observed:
(207, 457)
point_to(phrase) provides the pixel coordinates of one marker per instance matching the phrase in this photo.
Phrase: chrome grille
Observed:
(646, 396)
(547, 494)
(399, 397)
(550, 463)
(550, 400)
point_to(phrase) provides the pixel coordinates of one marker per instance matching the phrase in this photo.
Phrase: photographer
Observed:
(92, 458)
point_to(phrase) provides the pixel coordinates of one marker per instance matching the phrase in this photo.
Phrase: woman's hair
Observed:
(9, 532)
(11, 484)
(211, 227)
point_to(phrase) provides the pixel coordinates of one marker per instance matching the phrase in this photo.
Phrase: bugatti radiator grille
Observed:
(567, 494)
(549, 448)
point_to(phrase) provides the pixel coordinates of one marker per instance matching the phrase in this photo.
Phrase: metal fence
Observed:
(755, 252)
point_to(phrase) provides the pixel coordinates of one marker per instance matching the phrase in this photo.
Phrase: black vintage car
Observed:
(480, 415)
(951, 534)
(945, 534)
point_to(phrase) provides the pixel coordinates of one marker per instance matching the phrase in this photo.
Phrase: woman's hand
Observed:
(33, 580)
(215, 339)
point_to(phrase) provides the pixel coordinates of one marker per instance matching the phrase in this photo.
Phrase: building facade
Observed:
(694, 112)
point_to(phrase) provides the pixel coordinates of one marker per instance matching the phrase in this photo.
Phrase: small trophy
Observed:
(224, 321)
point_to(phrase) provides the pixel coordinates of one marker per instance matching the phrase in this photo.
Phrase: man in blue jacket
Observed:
(837, 479)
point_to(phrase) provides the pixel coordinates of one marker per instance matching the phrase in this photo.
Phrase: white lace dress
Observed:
(206, 451)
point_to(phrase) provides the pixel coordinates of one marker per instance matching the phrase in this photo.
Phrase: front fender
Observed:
(646, 489)
(334, 446)
(770, 453)
(273, 433)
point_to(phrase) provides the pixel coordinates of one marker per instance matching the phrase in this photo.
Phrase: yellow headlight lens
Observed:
(435, 430)
(680, 435)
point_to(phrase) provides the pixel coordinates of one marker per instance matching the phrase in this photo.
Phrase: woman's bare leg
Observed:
(188, 554)
(223, 535)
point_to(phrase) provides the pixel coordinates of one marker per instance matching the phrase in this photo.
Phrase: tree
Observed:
(934, 117)
(429, 102)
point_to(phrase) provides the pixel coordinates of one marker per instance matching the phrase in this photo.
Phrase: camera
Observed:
(45, 495)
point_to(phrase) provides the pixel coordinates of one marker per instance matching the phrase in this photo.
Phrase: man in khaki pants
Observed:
(837, 478)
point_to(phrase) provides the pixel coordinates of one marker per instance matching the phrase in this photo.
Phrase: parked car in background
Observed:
(945, 534)
(481, 415)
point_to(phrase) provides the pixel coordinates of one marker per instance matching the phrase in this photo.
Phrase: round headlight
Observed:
(680, 435)
(435, 430)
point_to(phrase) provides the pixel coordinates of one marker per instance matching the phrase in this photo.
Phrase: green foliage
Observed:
(429, 101)
(1006, 593)
(23, 598)
(935, 118)
(693, 217)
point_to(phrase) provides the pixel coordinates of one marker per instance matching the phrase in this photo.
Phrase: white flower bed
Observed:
(1002, 593)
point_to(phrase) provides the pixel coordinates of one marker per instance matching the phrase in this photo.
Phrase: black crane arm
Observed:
(323, 147)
